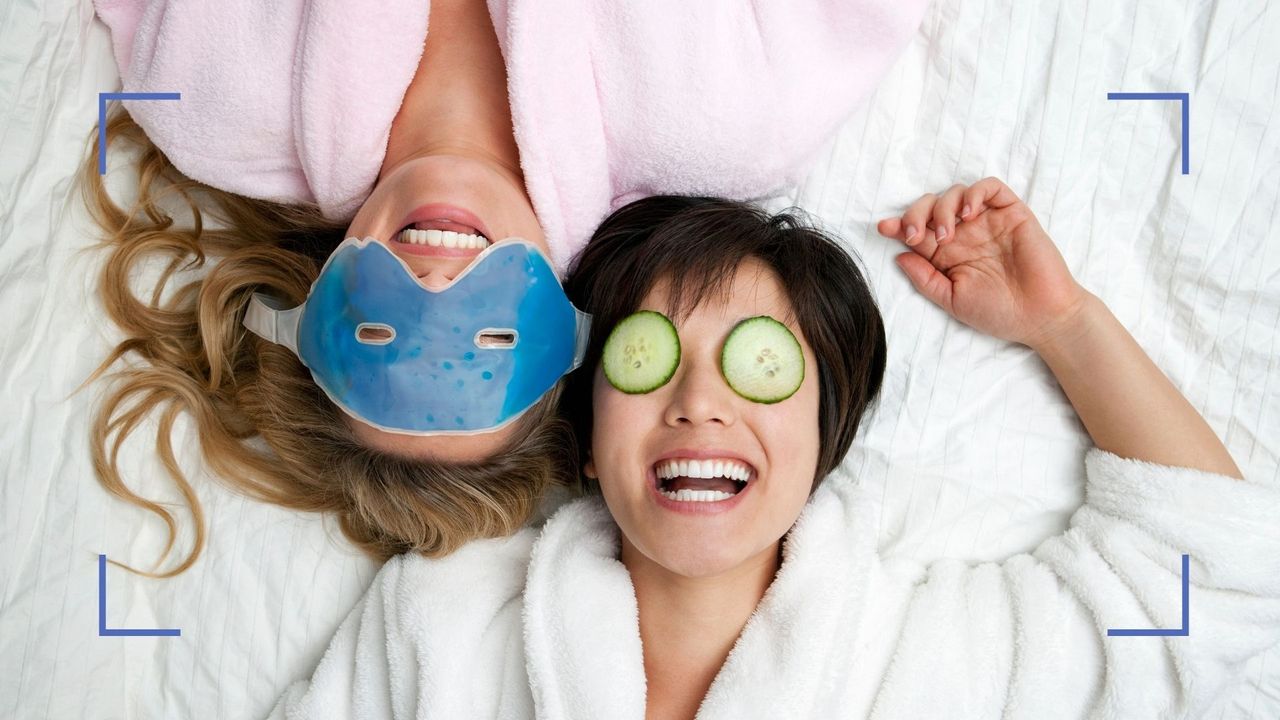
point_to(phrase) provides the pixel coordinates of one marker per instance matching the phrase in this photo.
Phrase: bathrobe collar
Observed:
(582, 633)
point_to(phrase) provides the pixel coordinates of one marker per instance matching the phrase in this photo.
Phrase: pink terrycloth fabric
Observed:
(611, 101)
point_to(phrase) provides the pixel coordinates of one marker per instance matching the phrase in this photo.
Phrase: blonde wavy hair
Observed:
(199, 359)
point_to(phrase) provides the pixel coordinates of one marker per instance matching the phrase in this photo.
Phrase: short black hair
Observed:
(696, 244)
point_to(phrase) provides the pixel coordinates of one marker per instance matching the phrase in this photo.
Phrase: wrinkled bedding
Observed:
(973, 448)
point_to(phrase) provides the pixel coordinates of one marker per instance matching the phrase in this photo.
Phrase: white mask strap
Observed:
(582, 335)
(267, 318)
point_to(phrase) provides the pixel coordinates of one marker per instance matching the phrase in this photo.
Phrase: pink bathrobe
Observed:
(611, 101)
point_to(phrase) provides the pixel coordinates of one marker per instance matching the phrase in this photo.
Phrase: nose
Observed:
(700, 396)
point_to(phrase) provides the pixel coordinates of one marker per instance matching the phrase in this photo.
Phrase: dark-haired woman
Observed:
(720, 572)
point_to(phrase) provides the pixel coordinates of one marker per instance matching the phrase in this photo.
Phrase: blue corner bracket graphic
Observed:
(102, 117)
(1185, 98)
(104, 631)
(1183, 631)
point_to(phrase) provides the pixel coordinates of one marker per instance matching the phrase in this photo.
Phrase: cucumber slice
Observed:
(762, 361)
(642, 353)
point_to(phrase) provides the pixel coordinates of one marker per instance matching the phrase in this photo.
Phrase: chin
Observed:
(697, 559)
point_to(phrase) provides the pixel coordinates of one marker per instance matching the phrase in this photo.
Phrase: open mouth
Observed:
(446, 234)
(706, 480)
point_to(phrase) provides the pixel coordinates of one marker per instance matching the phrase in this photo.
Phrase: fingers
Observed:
(920, 241)
(891, 228)
(931, 220)
(926, 279)
(945, 211)
(917, 233)
(974, 202)
(988, 192)
(914, 219)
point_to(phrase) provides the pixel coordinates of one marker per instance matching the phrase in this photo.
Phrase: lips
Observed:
(446, 217)
(440, 243)
(441, 220)
(700, 480)
(687, 502)
(724, 475)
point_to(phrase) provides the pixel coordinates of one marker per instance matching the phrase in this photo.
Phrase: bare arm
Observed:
(994, 268)
(1127, 404)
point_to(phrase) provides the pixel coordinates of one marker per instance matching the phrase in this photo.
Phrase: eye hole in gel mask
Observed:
(497, 339)
(375, 333)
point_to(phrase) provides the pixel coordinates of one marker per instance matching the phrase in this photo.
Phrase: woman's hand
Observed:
(979, 253)
(994, 268)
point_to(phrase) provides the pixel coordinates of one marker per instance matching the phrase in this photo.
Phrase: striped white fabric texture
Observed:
(973, 447)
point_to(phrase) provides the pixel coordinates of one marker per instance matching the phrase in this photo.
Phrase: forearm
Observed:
(1126, 403)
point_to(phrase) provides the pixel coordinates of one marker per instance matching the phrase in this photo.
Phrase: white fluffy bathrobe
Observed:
(544, 624)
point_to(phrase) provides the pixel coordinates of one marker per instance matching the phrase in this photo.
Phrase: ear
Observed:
(589, 469)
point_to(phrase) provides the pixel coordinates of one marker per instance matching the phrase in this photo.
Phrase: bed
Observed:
(973, 448)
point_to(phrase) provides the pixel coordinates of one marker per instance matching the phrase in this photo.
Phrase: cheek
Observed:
(803, 412)
(793, 425)
(799, 444)
(512, 208)
(603, 416)
(616, 426)
(528, 227)
(365, 220)
(794, 439)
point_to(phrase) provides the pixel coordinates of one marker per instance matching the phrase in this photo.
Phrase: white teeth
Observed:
(731, 469)
(442, 238)
(696, 495)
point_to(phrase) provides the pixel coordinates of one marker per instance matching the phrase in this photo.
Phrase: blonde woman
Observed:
(302, 124)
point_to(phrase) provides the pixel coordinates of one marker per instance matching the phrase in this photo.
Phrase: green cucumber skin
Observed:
(746, 326)
(651, 321)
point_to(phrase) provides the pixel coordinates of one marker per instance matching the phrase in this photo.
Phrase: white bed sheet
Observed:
(973, 447)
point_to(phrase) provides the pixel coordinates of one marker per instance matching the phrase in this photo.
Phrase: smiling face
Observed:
(438, 212)
(648, 447)
(451, 177)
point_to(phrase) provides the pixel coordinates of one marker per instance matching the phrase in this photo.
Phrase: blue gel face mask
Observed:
(469, 358)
